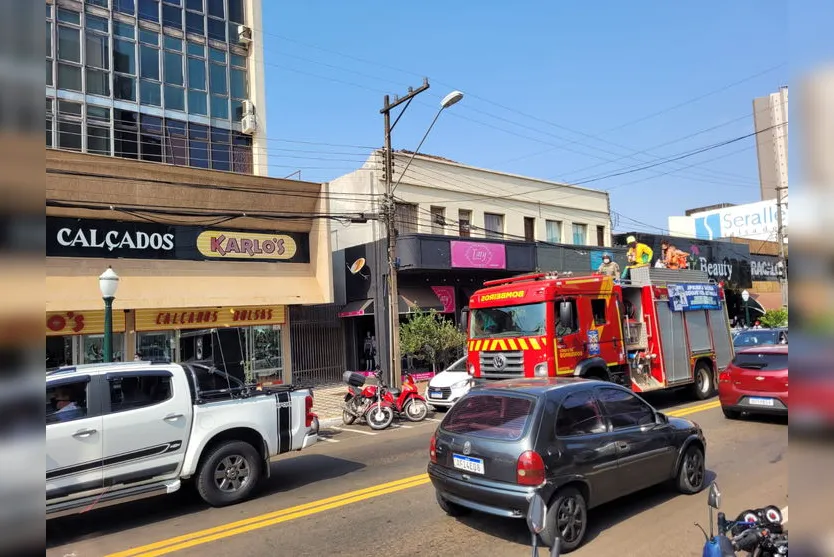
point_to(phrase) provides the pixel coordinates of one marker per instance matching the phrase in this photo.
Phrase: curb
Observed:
(329, 422)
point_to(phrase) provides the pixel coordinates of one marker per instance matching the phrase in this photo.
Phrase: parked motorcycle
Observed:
(366, 402)
(407, 401)
(757, 532)
(536, 516)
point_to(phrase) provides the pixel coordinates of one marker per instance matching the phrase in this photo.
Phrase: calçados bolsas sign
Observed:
(68, 237)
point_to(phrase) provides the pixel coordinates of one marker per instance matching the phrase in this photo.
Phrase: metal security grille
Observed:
(317, 345)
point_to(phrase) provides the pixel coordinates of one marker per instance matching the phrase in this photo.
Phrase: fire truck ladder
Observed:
(652, 276)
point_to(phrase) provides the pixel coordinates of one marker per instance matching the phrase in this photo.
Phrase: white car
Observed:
(448, 386)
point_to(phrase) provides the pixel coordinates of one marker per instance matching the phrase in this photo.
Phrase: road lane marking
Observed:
(226, 530)
(328, 439)
(398, 426)
(353, 430)
(270, 519)
(693, 409)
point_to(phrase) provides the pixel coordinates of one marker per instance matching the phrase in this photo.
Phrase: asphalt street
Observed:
(359, 492)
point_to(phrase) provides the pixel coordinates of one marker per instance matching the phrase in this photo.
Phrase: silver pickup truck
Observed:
(125, 431)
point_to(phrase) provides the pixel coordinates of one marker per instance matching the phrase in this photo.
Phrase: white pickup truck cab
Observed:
(125, 431)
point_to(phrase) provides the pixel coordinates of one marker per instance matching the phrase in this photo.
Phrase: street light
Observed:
(745, 296)
(108, 283)
(393, 324)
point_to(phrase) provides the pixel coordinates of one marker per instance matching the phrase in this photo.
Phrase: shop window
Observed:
(92, 348)
(264, 352)
(58, 352)
(66, 402)
(132, 392)
(157, 346)
(598, 311)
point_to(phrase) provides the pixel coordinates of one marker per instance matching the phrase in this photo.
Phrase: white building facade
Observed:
(441, 197)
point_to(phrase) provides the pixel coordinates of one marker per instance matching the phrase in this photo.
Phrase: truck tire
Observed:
(704, 385)
(229, 473)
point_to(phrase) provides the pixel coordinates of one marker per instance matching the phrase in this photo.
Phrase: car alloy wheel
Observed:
(570, 520)
(694, 469)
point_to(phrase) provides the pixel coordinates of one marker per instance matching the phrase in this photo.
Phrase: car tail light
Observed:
(724, 377)
(433, 449)
(530, 469)
(308, 410)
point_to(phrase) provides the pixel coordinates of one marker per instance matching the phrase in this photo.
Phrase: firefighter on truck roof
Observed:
(639, 255)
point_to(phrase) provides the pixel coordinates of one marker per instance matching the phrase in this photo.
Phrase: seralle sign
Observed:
(67, 237)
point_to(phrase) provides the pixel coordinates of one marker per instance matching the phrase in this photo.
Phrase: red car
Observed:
(755, 382)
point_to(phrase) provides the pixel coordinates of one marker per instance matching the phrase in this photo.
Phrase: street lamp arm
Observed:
(417, 150)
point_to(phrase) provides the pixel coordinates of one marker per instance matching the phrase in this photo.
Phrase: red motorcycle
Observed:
(378, 404)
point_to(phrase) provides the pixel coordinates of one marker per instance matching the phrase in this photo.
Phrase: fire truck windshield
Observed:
(511, 321)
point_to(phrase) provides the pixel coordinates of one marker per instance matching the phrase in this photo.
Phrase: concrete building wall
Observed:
(770, 118)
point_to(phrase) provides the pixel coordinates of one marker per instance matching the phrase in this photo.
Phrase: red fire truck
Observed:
(660, 329)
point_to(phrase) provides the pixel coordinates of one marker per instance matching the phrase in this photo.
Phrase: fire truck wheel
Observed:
(704, 385)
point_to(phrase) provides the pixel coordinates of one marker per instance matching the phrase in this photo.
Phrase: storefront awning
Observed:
(411, 300)
(768, 300)
(357, 308)
(420, 298)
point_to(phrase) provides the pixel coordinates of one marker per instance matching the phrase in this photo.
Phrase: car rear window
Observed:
(491, 416)
(761, 360)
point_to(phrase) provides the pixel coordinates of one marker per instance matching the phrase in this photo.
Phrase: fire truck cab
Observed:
(660, 329)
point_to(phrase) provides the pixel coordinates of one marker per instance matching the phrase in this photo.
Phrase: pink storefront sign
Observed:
(446, 294)
(478, 255)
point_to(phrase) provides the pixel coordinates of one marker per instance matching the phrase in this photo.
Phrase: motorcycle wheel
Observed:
(348, 418)
(379, 418)
(416, 410)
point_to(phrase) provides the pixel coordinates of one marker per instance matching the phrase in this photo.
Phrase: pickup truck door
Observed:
(73, 436)
(146, 425)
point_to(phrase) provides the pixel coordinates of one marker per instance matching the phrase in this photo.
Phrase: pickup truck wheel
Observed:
(229, 474)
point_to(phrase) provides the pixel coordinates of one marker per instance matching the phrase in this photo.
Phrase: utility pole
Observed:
(389, 214)
(780, 236)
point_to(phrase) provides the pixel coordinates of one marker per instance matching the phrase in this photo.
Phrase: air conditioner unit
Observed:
(248, 107)
(249, 125)
(244, 35)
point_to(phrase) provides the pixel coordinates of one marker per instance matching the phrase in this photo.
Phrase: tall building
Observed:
(173, 81)
(770, 119)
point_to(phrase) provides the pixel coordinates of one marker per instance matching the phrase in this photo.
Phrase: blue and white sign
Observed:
(593, 343)
(756, 221)
(693, 297)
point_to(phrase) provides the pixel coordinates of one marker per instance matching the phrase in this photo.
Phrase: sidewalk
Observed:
(328, 401)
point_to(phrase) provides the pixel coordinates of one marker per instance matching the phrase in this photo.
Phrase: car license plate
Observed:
(760, 401)
(468, 463)
(435, 394)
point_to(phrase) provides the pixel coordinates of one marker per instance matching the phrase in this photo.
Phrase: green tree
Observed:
(774, 318)
(430, 337)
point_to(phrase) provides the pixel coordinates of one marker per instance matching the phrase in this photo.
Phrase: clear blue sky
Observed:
(553, 88)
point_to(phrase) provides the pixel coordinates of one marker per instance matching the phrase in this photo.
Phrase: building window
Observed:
(149, 10)
(49, 109)
(406, 218)
(464, 223)
(98, 130)
(600, 235)
(69, 126)
(553, 231)
(529, 229)
(438, 220)
(126, 135)
(580, 234)
(494, 225)
(172, 16)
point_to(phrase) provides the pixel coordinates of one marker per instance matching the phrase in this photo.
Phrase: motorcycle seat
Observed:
(395, 392)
